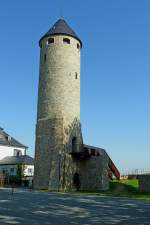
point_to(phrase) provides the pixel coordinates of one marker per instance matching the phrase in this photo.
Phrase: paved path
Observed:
(36, 208)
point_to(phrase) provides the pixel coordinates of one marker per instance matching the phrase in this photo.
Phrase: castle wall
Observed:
(94, 173)
(144, 183)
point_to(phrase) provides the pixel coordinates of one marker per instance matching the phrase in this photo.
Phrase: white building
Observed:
(10, 164)
(13, 157)
(10, 146)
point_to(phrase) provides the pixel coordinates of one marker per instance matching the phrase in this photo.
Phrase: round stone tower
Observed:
(58, 131)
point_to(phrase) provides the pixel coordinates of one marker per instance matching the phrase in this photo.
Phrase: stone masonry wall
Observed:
(144, 183)
(48, 142)
(58, 111)
(69, 166)
(94, 173)
(59, 90)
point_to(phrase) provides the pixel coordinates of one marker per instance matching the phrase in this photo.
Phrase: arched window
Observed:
(74, 144)
(50, 41)
(66, 40)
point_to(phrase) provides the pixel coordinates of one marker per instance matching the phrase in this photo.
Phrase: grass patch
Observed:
(124, 187)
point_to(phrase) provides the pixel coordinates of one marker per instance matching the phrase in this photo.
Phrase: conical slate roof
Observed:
(61, 27)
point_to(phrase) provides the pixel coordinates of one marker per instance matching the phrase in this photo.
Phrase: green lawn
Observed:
(124, 186)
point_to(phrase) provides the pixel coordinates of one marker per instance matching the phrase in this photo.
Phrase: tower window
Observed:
(45, 58)
(50, 41)
(76, 75)
(78, 46)
(66, 40)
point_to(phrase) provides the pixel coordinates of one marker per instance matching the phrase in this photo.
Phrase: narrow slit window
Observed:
(76, 75)
(78, 46)
(50, 41)
(66, 40)
(45, 58)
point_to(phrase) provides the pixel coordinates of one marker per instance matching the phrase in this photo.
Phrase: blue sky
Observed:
(115, 72)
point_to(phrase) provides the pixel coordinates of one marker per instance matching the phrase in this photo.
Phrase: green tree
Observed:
(19, 171)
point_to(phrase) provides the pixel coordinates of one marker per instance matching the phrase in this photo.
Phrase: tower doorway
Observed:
(76, 181)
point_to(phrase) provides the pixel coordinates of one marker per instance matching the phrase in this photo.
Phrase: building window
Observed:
(76, 75)
(5, 172)
(78, 46)
(17, 152)
(12, 170)
(50, 41)
(45, 58)
(9, 138)
(66, 40)
(30, 171)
